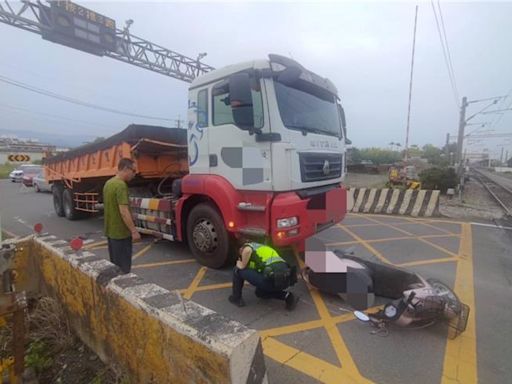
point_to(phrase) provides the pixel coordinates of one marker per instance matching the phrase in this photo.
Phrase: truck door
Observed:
(234, 152)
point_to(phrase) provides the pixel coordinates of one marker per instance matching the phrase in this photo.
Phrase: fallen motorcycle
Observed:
(416, 302)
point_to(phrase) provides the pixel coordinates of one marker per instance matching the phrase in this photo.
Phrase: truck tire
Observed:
(207, 237)
(57, 200)
(68, 205)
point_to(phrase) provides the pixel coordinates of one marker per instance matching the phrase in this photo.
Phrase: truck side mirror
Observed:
(344, 124)
(240, 99)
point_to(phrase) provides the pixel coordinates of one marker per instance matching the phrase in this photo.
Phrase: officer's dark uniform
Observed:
(269, 273)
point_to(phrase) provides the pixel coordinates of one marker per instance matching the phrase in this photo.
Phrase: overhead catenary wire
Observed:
(449, 68)
(77, 101)
(497, 118)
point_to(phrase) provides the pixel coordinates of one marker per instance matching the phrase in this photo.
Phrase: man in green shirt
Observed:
(119, 227)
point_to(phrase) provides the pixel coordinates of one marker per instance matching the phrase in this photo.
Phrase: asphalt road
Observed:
(321, 341)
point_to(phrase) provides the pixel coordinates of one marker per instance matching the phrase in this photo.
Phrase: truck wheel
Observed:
(57, 200)
(207, 236)
(69, 205)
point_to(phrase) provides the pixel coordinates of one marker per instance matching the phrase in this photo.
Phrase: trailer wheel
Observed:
(57, 200)
(69, 205)
(207, 236)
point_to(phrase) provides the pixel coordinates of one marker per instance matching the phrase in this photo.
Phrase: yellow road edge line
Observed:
(460, 357)
(162, 263)
(366, 245)
(143, 250)
(426, 262)
(195, 283)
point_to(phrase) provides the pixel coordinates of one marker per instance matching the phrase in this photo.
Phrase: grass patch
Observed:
(5, 169)
(53, 354)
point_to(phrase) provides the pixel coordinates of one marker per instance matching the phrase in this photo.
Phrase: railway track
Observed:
(501, 193)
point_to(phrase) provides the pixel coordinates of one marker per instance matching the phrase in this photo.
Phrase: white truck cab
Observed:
(266, 125)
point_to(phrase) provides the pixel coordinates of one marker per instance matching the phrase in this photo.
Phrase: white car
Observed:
(16, 175)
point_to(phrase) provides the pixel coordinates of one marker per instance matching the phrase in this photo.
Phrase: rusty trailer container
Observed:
(77, 176)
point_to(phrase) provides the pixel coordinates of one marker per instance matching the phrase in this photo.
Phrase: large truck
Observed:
(263, 156)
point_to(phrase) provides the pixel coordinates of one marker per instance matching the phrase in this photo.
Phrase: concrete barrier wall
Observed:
(154, 334)
(394, 201)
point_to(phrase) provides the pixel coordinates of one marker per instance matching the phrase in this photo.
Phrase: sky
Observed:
(363, 47)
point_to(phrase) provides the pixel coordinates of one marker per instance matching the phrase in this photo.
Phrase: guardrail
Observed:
(394, 201)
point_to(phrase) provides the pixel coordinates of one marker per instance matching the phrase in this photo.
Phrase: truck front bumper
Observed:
(316, 209)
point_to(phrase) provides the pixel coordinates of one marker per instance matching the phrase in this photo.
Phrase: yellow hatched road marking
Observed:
(308, 364)
(388, 217)
(438, 247)
(143, 250)
(460, 358)
(293, 328)
(9, 233)
(365, 244)
(391, 239)
(195, 283)
(426, 262)
(162, 263)
(97, 244)
(210, 287)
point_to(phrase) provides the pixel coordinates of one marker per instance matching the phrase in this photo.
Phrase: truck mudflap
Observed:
(316, 210)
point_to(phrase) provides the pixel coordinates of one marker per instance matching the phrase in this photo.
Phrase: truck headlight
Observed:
(287, 222)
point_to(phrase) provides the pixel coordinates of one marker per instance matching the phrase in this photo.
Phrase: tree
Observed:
(379, 155)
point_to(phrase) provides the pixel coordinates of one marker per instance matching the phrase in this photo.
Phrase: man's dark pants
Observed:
(264, 288)
(120, 252)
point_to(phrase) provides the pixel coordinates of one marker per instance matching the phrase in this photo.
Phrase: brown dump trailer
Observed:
(78, 176)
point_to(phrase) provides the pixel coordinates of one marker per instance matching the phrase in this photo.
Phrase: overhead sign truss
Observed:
(70, 24)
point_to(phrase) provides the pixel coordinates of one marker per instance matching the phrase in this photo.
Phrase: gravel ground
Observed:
(476, 204)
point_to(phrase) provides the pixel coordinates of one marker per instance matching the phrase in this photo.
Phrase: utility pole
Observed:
(501, 156)
(460, 138)
(406, 152)
(447, 146)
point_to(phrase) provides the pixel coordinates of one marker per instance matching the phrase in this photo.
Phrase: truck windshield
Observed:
(306, 112)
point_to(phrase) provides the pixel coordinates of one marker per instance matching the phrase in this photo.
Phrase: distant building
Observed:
(14, 150)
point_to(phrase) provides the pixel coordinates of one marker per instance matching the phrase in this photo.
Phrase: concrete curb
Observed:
(154, 334)
(417, 203)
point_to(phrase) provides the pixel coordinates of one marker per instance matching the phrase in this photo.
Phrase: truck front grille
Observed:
(320, 166)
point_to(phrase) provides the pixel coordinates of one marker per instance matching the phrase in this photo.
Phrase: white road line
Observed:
(492, 226)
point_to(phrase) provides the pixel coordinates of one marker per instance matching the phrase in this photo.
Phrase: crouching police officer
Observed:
(262, 266)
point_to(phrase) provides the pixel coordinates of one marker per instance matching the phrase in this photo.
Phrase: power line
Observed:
(448, 49)
(445, 54)
(90, 124)
(76, 101)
